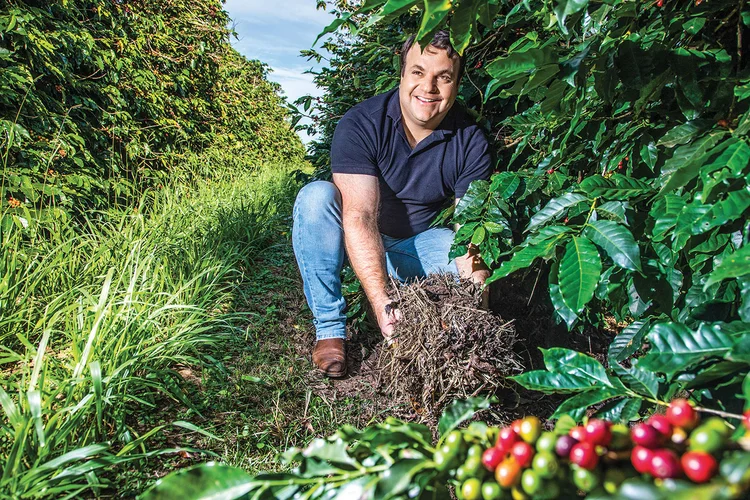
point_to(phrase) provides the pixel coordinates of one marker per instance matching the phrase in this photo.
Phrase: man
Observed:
(396, 159)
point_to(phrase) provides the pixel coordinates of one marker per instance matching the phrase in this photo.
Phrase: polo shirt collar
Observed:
(446, 128)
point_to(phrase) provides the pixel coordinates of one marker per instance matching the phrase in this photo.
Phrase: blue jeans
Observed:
(318, 240)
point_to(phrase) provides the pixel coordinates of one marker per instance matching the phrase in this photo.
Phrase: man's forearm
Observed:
(364, 247)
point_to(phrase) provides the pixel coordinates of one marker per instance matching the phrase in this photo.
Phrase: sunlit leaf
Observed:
(580, 269)
(617, 241)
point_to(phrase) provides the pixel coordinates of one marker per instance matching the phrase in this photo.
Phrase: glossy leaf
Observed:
(519, 64)
(459, 412)
(682, 134)
(434, 14)
(628, 341)
(540, 247)
(576, 406)
(463, 24)
(554, 209)
(210, 480)
(565, 8)
(551, 383)
(734, 266)
(615, 210)
(391, 9)
(622, 410)
(733, 207)
(686, 161)
(504, 184)
(561, 308)
(580, 269)
(674, 346)
(644, 382)
(617, 241)
(561, 360)
(617, 187)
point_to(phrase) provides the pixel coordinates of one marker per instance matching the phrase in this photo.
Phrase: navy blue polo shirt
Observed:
(414, 183)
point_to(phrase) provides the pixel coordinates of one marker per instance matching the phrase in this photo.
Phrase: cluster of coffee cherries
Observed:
(527, 462)
(658, 441)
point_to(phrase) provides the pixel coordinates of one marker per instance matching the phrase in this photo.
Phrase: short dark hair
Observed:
(441, 40)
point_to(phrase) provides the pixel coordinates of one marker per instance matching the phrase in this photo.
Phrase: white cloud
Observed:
(275, 33)
(293, 11)
(295, 83)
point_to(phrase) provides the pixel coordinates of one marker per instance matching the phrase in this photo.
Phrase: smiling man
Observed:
(397, 159)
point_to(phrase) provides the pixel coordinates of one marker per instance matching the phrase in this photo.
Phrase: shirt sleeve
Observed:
(478, 162)
(353, 146)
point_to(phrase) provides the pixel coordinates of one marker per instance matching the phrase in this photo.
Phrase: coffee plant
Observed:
(679, 454)
(96, 96)
(622, 176)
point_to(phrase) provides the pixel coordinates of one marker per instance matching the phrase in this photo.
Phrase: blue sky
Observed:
(274, 32)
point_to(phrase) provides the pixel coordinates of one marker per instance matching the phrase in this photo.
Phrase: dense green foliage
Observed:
(623, 173)
(96, 96)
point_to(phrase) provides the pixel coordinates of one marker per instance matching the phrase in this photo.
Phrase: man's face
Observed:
(428, 87)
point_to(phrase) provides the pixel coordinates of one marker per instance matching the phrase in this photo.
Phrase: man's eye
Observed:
(446, 79)
(416, 73)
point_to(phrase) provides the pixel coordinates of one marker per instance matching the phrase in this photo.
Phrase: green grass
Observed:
(95, 319)
(152, 337)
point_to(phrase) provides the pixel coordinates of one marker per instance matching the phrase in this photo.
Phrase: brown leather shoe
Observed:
(330, 358)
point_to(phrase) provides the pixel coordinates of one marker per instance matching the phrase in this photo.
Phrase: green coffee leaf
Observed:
(628, 341)
(735, 265)
(462, 24)
(434, 14)
(622, 410)
(554, 209)
(675, 347)
(551, 383)
(562, 360)
(209, 480)
(519, 64)
(555, 295)
(617, 241)
(460, 411)
(580, 269)
(682, 134)
(577, 405)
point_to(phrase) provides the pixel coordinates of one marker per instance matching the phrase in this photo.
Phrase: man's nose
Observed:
(429, 85)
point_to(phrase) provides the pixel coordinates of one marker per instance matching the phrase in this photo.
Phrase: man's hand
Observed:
(388, 315)
(472, 266)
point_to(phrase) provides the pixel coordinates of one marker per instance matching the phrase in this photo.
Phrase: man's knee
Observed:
(317, 196)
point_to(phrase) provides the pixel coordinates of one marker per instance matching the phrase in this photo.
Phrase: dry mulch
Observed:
(446, 348)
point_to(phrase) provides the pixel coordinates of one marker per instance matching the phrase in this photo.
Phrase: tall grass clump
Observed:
(96, 316)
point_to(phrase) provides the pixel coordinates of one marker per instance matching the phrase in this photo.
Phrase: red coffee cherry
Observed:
(578, 432)
(492, 457)
(746, 419)
(640, 457)
(523, 453)
(682, 414)
(644, 434)
(699, 466)
(584, 455)
(661, 423)
(665, 464)
(597, 432)
(507, 438)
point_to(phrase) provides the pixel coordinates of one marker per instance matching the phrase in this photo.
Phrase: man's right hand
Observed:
(388, 315)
